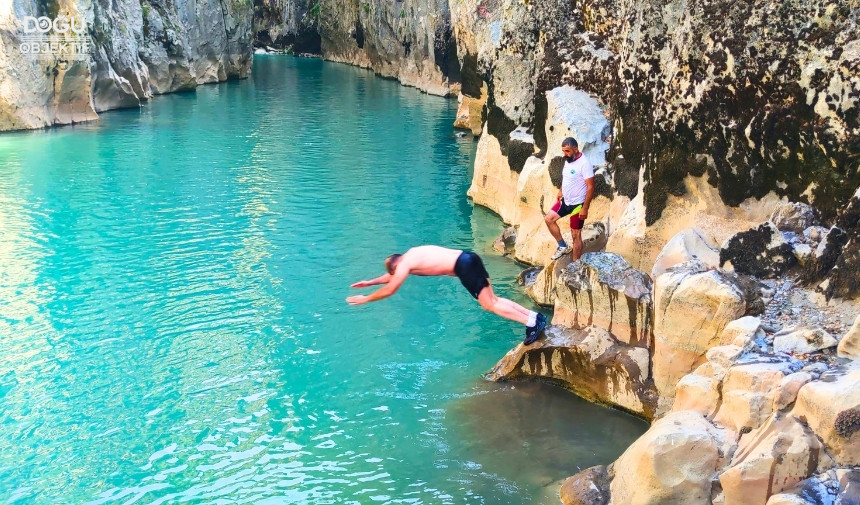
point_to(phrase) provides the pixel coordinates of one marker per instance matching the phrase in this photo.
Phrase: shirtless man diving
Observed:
(428, 260)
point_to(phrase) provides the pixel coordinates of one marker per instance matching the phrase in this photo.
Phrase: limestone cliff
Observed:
(409, 40)
(716, 110)
(140, 48)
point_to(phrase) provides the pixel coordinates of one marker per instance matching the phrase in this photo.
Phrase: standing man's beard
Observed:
(568, 159)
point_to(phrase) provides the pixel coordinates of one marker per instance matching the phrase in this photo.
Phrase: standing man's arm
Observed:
(390, 287)
(589, 183)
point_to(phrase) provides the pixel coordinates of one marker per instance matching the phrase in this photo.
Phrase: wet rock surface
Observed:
(604, 290)
(505, 243)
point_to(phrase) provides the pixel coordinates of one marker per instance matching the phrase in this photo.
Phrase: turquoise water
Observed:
(172, 317)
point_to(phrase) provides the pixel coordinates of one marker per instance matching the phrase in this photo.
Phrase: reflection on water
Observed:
(172, 316)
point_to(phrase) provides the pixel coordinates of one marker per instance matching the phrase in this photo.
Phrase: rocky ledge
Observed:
(747, 406)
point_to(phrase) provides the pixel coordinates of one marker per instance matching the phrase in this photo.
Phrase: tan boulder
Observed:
(771, 459)
(692, 307)
(831, 407)
(802, 340)
(789, 386)
(749, 392)
(588, 487)
(849, 345)
(743, 332)
(686, 245)
(602, 289)
(699, 393)
(674, 462)
(724, 356)
(469, 112)
(494, 184)
(590, 362)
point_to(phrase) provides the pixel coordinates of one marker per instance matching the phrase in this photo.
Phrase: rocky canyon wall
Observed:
(714, 111)
(139, 48)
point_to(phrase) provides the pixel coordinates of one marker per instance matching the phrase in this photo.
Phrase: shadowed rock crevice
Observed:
(472, 80)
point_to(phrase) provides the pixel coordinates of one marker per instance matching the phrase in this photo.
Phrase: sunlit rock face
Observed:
(760, 427)
(139, 48)
(602, 289)
(590, 362)
(410, 40)
(693, 304)
(673, 462)
(757, 101)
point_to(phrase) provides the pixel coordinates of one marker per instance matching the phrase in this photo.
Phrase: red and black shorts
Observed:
(562, 209)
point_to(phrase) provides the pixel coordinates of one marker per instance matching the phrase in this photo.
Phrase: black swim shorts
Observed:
(471, 272)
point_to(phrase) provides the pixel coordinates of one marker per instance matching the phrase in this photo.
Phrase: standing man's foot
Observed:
(532, 332)
(561, 251)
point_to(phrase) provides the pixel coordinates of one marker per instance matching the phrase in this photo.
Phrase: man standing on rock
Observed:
(574, 197)
(427, 260)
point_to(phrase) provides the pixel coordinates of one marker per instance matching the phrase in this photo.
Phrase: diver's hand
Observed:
(357, 299)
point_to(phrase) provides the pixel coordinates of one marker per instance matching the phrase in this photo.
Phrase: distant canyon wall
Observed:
(408, 40)
(139, 48)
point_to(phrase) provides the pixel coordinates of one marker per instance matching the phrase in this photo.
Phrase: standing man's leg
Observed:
(551, 219)
(576, 244)
(576, 235)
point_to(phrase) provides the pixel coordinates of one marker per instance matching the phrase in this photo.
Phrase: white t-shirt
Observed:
(573, 178)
